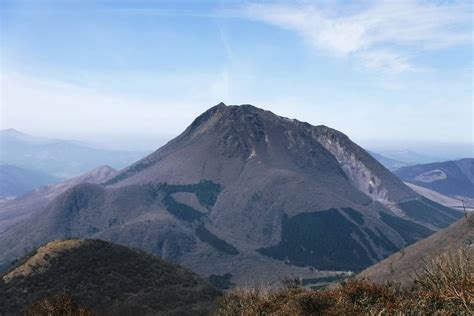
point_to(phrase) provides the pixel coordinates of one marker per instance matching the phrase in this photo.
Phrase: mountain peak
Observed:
(222, 115)
(103, 168)
(240, 181)
(97, 175)
(12, 132)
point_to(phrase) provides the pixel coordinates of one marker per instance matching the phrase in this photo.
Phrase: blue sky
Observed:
(380, 71)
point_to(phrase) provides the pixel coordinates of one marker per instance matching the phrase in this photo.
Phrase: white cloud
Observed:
(382, 59)
(381, 34)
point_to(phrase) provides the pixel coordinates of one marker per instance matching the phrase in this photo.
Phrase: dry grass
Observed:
(445, 287)
(450, 278)
(58, 305)
(39, 261)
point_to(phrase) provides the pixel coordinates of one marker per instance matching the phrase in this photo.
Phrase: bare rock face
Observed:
(366, 175)
(245, 192)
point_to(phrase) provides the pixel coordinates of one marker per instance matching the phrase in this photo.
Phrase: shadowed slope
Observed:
(107, 278)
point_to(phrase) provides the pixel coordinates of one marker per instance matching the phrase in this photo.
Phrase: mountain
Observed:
(408, 156)
(17, 181)
(246, 195)
(61, 158)
(461, 204)
(451, 178)
(389, 163)
(14, 210)
(107, 278)
(403, 266)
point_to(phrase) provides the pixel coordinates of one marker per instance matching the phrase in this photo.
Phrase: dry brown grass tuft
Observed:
(449, 278)
(58, 305)
(444, 288)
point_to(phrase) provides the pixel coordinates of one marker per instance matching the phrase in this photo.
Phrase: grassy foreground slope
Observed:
(445, 287)
(432, 276)
(404, 265)
(106, 278)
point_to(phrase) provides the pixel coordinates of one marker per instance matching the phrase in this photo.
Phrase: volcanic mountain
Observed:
(248, 195)
(107, 278)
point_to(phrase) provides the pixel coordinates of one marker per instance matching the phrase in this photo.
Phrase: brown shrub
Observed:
(448, 281)
(444, 288)
(57, 305)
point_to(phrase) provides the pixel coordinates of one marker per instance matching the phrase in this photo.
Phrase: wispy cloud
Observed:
(385, 60)
(380, 34)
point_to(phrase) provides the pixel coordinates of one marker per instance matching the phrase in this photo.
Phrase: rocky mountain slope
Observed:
(16, 181)
(107, 278)
(403, 266)
(451, 178)
(248, 193)
(14, 210)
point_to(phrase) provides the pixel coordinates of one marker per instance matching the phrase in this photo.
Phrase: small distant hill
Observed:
(451, 178)
(58, 157)
(16, 181)
(403, 265)
(106, 278)
(389, 163)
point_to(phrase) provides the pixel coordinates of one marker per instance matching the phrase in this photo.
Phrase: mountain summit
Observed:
(244, 135)
(248, 195)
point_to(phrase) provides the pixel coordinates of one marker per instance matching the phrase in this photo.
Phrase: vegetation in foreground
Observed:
(58, 305)
(83, 277)
(445, 287)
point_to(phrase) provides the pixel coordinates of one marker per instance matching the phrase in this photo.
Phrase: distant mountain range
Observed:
(389, 163)
(16, 181)
(407, 157)
(60, 158)
(454, 179)
(106, 278)
(247, 196)
(403, 266)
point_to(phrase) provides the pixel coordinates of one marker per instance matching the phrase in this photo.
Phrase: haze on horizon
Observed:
(383, 72)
